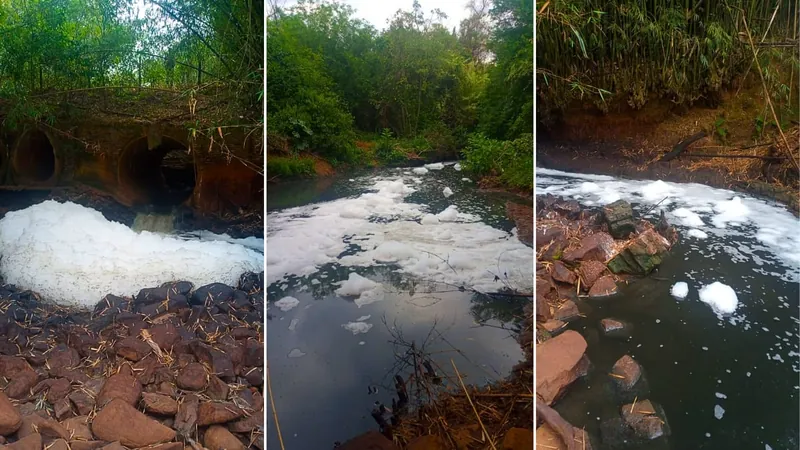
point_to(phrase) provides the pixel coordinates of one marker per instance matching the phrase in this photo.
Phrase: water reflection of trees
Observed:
(506, 310)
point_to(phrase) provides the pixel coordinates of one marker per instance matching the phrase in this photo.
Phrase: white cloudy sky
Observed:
(377, 12)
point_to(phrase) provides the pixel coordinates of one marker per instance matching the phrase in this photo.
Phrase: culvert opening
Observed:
(160, 178)
(34, 158)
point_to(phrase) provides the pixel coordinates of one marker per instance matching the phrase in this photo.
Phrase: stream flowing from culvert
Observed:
(354, 261)
(725, 381)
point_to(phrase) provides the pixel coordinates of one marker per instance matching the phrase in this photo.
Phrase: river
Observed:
(725, 381)
(330, 354)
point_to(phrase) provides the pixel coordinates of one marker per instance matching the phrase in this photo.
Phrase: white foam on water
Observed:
(296, 353)
(679, 290)
(457, 167)
(720, 395)
(73, 255)
(755, 224)
(434, 166)
(287, 303)
(363, 318)
(721, 297)
(466, 179)
(460, 249)
(447, 192)
(357, 327)
(698, 234)
(719, 411)
(419, 170)
(293, 325)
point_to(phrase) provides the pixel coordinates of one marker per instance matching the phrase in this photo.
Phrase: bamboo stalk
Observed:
(486, 433)
(272, 403)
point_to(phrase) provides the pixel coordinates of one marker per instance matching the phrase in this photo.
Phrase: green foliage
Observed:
(720, 129)
(589, 50)
(289, 166)
(511, 161)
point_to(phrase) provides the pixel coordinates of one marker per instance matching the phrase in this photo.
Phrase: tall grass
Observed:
(634, 50)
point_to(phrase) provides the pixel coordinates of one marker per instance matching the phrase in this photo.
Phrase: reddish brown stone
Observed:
(62, 356)
(83, 402)
(626, 372)
(217, 389)
(210, 413)
(642, 418)
(36, 424)
(518, 439)
(57, 389)
(247, 424)
(219, 362)
(558, 364)
(369, 440)
(20, 374)
(219, 438)
(132, 348)
(595, 247)
(29, 442)
(165, 335)
(186, 419)
(553, 326)
(561, 273)
(603, 287)
(58, 444)
(122, 385)
(159, 404)
(87, 445)
(567, 311)
(10, 420)
(119, 421)
(78, 428)
(193, 377)
(590, 271)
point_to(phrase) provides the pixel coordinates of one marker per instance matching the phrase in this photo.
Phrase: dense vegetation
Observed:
(182, 47)
(633, 51)
(341, 89)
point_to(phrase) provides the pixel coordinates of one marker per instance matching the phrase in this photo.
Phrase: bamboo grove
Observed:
(687, 51)
(51, 46)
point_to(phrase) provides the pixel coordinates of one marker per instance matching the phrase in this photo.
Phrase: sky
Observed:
(377, 12)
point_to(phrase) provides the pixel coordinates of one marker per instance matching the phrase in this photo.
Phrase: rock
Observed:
(10, 420)
(220, 362)
(603, 287)
(567, 311)
(559, 272)
(193, 377)
(78, 428)
(427, 442)
(626, 372)
(165, 335)
(57, 389)
(518, 439)
(547, 438)
(59, 444)
(372, 440)
(20, 374)
(119, 421)
(543, 312)
(559, 362)
(554, 326)
(211, 294)
(88, 445)
(30, 442)
(255, 376)
(554, 248)
(186, 419)
(590, 272)
(546, 235)
(63, 409)
(610, 326)
(122, 385)
(619, 216)
(62, 357)
(36, 424)
(597, 247)
(641, 255)
(217, 389)
(247, 424)
(132, 348)
(569, 208)
(159, 404)
(168, 446)
(219, 438)
(643, 419)
(83, 402)
(152, 295)
(113, 446)
(210, 413)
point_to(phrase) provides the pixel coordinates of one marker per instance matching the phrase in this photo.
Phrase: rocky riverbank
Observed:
(582, 256)
(173, 367)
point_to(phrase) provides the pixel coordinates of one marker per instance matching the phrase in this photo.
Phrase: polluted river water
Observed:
(358, 266)
(715, 328)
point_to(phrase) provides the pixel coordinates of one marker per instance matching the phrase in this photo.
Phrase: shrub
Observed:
(511, 161)
(289, 166)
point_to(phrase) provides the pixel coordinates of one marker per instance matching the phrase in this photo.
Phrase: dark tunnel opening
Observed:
(34, 159)
(160, 178)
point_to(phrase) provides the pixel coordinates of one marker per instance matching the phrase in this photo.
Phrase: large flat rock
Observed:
(559, 362)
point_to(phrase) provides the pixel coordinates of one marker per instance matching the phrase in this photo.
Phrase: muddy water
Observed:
(325, 377)
(745, 363)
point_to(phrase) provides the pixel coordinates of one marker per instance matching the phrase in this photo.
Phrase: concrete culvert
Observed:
(34, 159)
(161, 177)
